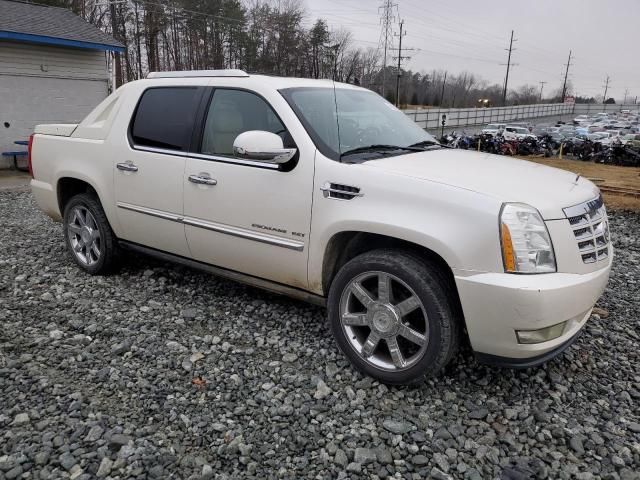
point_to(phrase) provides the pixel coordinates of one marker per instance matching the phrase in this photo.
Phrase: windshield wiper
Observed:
(379, 148)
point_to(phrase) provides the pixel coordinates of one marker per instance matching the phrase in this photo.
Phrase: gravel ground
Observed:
(163, 372)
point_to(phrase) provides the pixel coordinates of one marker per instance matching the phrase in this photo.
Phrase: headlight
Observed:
(526, 245)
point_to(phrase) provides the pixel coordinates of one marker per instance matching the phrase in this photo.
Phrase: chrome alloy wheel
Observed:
(384, 321)
(84, 235)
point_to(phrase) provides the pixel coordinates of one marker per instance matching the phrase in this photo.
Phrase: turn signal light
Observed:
(508, 254)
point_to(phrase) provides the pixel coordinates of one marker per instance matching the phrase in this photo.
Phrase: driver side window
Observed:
(232, 112)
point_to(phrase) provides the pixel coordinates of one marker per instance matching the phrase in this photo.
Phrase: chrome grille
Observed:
(590, 226)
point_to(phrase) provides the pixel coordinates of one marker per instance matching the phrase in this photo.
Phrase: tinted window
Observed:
(164, 117)
(233, 112)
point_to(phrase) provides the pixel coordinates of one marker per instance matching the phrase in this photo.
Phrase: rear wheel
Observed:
(394, 316)
(89, 238)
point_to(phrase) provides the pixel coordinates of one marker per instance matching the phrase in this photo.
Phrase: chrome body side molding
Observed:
(217, 227)
(150, 211)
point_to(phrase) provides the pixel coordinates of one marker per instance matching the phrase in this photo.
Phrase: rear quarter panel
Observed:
(55, 158)
(88, 159)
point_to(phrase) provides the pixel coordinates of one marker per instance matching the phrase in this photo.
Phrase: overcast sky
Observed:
(472, 35)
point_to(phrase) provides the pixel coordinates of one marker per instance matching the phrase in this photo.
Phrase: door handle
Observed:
(202, 180)
(127, 167)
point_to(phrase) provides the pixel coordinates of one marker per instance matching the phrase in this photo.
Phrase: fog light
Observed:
(542, 335)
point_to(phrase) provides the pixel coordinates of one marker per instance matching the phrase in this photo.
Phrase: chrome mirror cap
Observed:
(262, 146)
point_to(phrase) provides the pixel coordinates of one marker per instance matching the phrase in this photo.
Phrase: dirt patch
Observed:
(12, 180)
(603, 175)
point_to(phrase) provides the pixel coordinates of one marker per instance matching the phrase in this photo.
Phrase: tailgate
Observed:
(58, 129)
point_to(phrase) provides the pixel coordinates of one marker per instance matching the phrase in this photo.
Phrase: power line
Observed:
(566, 74)
(506, 78)
(387, 24)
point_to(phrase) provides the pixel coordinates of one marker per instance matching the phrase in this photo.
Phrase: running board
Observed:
(257, 282)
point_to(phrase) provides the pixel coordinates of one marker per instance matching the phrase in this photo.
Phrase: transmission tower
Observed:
(387, 18)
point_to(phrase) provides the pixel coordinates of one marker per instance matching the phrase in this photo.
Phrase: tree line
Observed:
(270, 37)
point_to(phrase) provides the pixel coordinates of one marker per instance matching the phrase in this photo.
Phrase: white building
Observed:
(53, 69)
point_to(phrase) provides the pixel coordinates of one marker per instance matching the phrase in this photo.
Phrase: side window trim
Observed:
(198, 134)
(200, 90)
(233, 160)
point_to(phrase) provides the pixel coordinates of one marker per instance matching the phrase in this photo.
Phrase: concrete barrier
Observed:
(431, 118)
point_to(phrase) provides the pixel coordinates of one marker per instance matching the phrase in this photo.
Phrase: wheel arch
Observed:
(344, 246)
(69, 186)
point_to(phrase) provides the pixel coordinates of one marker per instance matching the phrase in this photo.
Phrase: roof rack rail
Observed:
(199, 73)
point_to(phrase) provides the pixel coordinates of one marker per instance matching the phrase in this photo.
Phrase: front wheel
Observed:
(394, 316)
(90, 241)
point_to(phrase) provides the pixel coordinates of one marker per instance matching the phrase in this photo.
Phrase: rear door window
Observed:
(164, 118)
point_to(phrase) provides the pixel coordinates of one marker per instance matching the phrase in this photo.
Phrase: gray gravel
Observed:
(162, 372)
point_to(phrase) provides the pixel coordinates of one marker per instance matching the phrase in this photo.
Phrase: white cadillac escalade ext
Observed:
(328, 193)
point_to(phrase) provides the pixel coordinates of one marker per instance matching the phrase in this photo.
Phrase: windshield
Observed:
(364, 119)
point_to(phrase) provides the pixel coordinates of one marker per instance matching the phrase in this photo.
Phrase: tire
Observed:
(356, 327)
(90, 241)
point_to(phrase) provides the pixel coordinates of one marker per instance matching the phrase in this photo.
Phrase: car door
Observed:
(243, 215)
(509, 134)
(149, 168)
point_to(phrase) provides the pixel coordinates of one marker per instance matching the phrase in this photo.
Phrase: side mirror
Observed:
(262, 146)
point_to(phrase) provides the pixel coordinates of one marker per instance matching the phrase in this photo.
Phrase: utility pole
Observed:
(400, 59)
(116, 34)
(541, 88)
(385, 38)
(606, 88)
(506, 78)
(566, 74)
(444, 82)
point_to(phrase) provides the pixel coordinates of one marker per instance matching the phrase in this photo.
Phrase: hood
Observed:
(507, 179)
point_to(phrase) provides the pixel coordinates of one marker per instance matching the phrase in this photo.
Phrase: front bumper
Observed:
(495, 305)
(528, 362)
